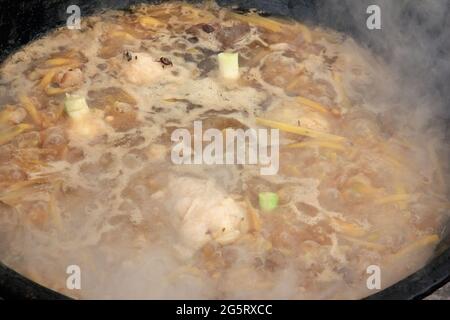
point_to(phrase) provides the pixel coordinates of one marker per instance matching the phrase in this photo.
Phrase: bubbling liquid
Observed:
(365, 189)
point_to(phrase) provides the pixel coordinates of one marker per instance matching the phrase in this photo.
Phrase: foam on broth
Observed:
(111, 201)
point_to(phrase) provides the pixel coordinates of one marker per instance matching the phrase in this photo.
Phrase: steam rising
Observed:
(414, 42)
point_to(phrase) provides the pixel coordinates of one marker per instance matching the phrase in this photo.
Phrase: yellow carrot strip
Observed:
(27, 183)
(371, 245)
(259, 21)
(59, 113)
(317, 143)
(347, 228)
(363, 189)
(400, 189)
(299, 130)
(193, 50)
(122, 34)
(31, 109)
(391, 158)
(10, 133)
(13, 198)
(47, 78)
(57, 62)
(15, 192)
(416, 245)
(54, 91)
(149, 22)
(394, 198)
(255, 221)
(374, 236)
(362, 185)
(312, 104)
(196, 15)
(305, 31)
(5, 114)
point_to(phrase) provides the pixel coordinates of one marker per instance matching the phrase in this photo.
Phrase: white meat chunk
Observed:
(202, 212)
(141, 68)
(70, 78)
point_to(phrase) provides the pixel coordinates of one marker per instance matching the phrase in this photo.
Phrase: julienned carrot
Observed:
(299, 130)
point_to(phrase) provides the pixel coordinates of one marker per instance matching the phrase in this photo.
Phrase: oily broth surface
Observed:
(110, 201)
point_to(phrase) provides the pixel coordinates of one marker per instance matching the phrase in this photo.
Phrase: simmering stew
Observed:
(87, 178)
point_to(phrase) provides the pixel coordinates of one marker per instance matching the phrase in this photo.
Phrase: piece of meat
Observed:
(201, 29)
(228, 36)
(141, 68)
(18, 115)
(202, 212)
(70, 78)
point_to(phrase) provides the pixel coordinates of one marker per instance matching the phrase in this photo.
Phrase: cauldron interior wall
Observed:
(23, 21)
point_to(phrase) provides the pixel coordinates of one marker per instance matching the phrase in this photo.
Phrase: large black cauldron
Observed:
(21, 21)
